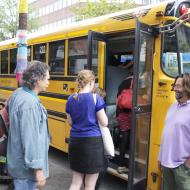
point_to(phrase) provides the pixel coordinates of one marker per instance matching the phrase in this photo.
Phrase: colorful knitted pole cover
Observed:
(22, 40)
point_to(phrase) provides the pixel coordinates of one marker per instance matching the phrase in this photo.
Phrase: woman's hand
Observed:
(187, 162)
(159, 166)
(40, 178)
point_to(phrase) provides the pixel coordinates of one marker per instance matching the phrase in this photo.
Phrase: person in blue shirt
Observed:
(28, 138)
(86, 151)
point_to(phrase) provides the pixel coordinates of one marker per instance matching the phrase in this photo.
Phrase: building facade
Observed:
(57, 13)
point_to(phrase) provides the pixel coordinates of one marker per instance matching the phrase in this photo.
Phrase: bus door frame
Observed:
(92, 35)
(99, 37)
(143, 32)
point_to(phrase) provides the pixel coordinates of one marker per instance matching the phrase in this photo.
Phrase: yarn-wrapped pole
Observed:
(22, 40)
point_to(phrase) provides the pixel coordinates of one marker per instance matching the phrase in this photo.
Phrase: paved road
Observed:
(60, 175)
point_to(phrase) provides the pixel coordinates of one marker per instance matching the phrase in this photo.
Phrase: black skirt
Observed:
(86, 154)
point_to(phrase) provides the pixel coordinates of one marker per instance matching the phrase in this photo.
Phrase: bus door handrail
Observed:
(172, 27)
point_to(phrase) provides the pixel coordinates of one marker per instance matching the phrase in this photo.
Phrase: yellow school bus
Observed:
(156, 38)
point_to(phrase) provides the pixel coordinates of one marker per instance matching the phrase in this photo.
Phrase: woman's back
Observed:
(82, 110)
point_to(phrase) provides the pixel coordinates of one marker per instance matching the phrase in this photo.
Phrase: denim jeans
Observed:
(25, 184)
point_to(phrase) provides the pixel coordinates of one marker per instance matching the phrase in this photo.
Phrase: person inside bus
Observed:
(86, 151)
(174, 156)
(124, 119)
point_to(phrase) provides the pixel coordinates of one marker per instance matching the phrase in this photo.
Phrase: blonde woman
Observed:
(86, 153)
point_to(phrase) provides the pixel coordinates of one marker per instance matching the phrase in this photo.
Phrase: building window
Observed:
(59, 4)
(56, 6)
(73, 19)
(64, 3)
(56, 57)
(40, 52)
(40, 12)
(51, 8)
(64, 21)
(13, 60)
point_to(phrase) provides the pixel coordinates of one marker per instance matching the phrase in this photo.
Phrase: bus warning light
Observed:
(183, 10)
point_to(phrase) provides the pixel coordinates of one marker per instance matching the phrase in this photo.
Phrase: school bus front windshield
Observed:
(176, 51)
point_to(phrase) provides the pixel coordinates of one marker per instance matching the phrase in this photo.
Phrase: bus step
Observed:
(137, 159)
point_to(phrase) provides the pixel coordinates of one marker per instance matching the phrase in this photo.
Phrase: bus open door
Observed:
(141, 111)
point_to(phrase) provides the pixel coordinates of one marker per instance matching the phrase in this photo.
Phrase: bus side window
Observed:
(29, 53)
(13, 60)
(56, 57)
(4, 62)
(40, 52)
(78, 49)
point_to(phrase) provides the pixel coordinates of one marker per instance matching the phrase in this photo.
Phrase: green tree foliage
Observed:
(94, 9)
(9, 19)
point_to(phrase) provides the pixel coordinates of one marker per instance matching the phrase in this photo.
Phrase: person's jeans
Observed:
(176, 178)
(25, 184)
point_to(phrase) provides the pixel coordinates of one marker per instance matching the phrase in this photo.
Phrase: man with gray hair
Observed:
(28, 139)
(174, 156)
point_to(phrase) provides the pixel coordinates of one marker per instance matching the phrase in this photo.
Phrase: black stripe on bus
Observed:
(57, 78)
(62, 78)
(54, 78)
(7, 76)
(7, 88)
(45, 94)
(57, 114)
(54, 95)
(56, 119)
